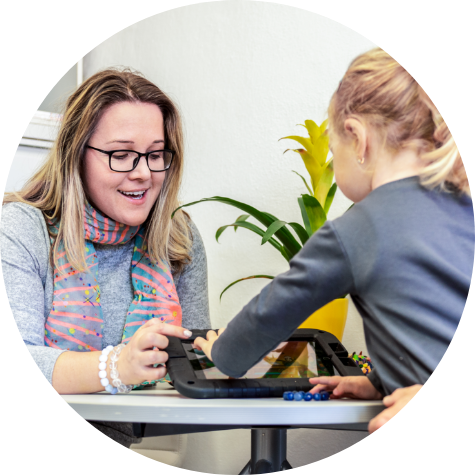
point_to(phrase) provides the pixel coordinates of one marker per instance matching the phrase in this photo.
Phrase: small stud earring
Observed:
(361, 161)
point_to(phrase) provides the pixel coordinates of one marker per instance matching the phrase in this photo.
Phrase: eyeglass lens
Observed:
(123, 161)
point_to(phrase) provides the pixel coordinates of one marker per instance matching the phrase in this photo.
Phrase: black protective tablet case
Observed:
(331, 355)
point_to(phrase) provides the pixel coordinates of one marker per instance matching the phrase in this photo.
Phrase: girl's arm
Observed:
(318, 274)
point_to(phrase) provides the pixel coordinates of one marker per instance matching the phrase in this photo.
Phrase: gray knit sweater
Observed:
(28, 276)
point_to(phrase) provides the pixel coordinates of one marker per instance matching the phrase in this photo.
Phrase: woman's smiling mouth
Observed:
(134, 195)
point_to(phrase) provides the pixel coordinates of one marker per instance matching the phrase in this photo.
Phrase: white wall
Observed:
(27, 159)
(56, 99)
(243, 74)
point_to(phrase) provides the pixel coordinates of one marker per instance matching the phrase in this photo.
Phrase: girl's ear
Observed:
(356, 130)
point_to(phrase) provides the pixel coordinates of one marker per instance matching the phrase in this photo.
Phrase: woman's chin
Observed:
(134, 219)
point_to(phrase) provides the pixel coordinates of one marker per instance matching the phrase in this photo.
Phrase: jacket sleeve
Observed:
(376, 382)
(318, 274)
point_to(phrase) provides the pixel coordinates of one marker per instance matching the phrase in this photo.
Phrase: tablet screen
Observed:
(290, 359)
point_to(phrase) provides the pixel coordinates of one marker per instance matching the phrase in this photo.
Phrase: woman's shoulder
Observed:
(197, 253)
(197, 246)
(18, 209)
(194, 232)
(21, 219)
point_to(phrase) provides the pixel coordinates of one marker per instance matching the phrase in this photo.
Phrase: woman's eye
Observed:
(156, 156)
(120, 156)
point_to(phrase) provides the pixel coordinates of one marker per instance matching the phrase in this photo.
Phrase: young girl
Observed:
(404, 252)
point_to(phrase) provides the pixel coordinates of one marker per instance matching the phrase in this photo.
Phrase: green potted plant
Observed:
(314, 208)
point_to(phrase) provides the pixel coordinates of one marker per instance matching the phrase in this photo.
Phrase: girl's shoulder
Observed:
(406, 202)
(403, 212)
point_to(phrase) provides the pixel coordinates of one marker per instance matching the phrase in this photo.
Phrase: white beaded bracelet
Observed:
(103, 370)
(116, 386)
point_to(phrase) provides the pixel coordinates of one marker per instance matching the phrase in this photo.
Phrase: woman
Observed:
(404, 252)
(90, 255)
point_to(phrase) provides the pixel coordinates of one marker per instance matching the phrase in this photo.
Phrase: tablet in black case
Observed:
(306, 354)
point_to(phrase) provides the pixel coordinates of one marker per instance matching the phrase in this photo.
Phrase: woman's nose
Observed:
(141, 171)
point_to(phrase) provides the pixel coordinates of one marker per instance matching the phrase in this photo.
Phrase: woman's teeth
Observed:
(135, 195)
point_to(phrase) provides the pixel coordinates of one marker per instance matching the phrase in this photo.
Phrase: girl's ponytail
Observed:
(445, 167)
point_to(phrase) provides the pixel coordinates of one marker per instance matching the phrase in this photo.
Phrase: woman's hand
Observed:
(394, 402)
(136, 360)
(355, 387)
(207, 345)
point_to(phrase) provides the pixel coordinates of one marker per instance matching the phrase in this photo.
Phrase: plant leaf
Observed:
(329, 199)
(272, 229)
(243, 217)
(305, 218)
(323, 126)
(313, 130)
(251, 227)
(286, 255)
(324, 184)
(304, 141)
(305, 181)
(315, 212)
(287, 233)
(283, 234)
(246, 278)
(314, 169)
(321, 149)
(301, 232)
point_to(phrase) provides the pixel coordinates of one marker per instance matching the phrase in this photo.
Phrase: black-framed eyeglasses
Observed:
(127, 160)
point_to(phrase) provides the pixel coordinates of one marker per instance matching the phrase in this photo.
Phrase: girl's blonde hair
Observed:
(380, 90)
(57, 188)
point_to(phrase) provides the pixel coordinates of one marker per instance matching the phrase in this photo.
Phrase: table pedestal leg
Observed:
(268, 451)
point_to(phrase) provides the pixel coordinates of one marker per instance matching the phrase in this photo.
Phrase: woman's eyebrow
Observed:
(131, 141)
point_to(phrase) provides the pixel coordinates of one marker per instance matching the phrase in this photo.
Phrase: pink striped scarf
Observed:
(76, 321)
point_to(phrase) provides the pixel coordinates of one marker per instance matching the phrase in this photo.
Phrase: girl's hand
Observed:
(136, 360)
(356, 387)
(207, 345)
(394, 402)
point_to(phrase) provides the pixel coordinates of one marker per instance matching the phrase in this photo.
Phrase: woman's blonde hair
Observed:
(377, 88)
(57, 189)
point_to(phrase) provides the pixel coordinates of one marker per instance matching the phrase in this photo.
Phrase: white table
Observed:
(165, 411)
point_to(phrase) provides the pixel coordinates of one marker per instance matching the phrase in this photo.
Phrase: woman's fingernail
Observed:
(187, 333)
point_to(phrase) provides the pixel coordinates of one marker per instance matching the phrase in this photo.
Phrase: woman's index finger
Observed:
(157, 326)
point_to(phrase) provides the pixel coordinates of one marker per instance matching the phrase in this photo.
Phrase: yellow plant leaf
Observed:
(314, 169)
(321, 149)
(313, 130)
(323, 126)
(315, 155)
(305, 142)
(325, 183)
